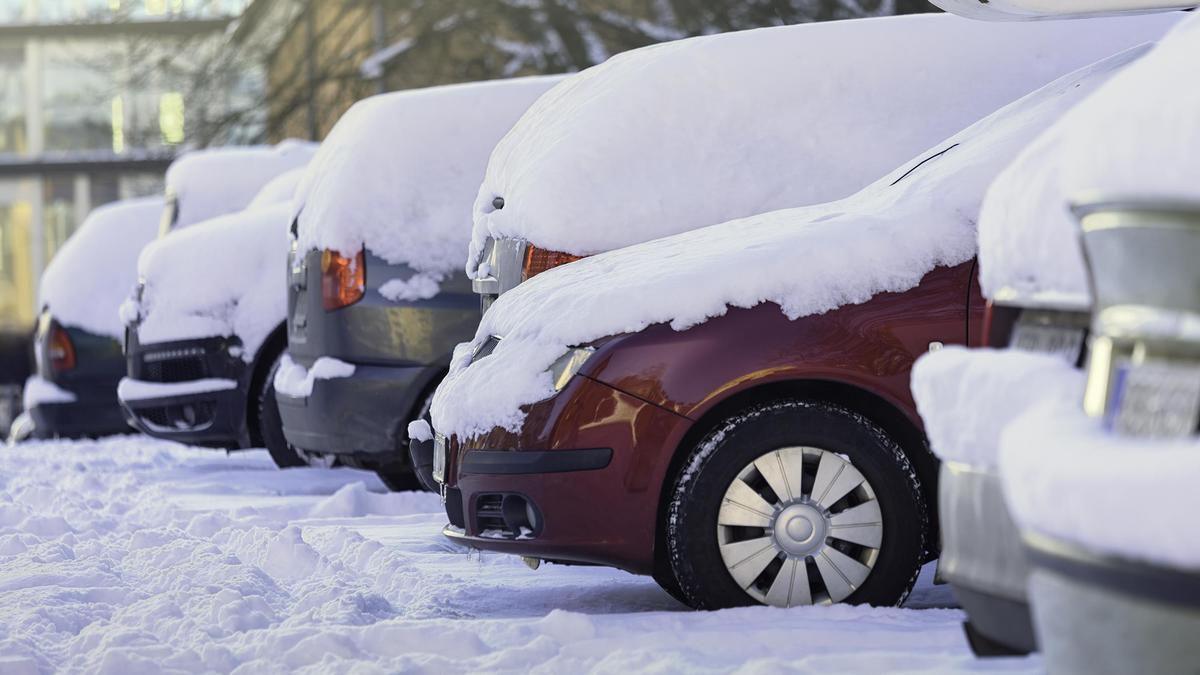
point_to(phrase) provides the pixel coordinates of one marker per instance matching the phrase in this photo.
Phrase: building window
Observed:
(12, 99)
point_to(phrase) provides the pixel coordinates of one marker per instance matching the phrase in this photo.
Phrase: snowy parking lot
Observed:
(136, 555)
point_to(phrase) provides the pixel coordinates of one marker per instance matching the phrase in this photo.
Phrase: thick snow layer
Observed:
(39, 390)
(96, 269)
(280, 189)
(293, 379)
(216, 181)
(129, 389)
(1133, 138)
(135, 555)
(1135, 498)
(680, 135)
(223, 278)
(808, 260)
(967, 397)
(399, 171)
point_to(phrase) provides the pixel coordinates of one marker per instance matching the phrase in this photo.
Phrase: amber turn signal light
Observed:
(60, 350)
(343, 279)
(538, 260)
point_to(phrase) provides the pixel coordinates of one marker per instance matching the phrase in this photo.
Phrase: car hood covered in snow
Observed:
(399, 171)
(1135, 137)
(223, 278)
(89, 277)
(681, 135)
(808, 260)
(217, 181)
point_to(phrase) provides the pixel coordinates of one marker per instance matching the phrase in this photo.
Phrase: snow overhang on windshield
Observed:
(1034, 10)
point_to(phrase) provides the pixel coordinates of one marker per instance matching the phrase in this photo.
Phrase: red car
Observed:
(664, 432)
(766, 448)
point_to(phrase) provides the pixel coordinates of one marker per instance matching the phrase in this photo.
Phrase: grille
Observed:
(182, 369)
(488, 515)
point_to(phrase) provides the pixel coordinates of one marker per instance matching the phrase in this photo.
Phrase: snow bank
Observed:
(223, 278)
(135, 555)
(96, 269)
(216, 181)
(1134, 137)
(968, 396)
(399, 171)
(39, 390)
(681, 135)
(1135, 498)
(292, 379)
(808, 260)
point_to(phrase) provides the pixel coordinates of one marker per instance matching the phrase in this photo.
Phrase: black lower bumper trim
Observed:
(506, 462)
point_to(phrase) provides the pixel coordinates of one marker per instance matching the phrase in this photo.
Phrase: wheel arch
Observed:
(879, 410)
(274, 345)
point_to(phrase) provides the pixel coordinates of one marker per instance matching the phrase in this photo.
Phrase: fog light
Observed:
(521, 517)
(1144, 361)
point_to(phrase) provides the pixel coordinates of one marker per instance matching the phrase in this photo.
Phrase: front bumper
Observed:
(94, 412)
(364, 415)
(215, 417)
(982, 555)
(589, 463)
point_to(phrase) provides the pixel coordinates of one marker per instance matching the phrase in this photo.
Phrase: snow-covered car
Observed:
(205, 329)
(376, 297)
(1033, 270)
(743, 437)
(1039, 10)
(677, 136)
(16, 366)
(204, 184)
(79, 333)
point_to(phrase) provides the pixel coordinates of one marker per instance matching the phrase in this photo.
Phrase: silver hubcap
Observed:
(799, 526)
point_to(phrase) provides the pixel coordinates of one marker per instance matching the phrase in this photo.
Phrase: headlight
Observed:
(562, 370)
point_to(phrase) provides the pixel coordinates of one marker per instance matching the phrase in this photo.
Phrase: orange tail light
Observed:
(343, 280)
(60, 350)
(538, 260)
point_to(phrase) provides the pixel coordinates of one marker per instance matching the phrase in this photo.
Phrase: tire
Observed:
(270, 424)
(800, 538)
(398, 478)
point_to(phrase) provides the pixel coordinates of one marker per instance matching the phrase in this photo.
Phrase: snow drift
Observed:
(93, 273)
(399, 171)
(808, 260)
(681, 135)
(1136, 136)
(213, 182)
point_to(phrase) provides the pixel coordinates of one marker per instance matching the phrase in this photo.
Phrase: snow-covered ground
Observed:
(135, 555)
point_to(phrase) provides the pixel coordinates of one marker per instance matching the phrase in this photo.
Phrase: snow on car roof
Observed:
(399, 171)
(280, 189)
(680, 135)
(1136, 136)
(216, 181)
(96, 268)
(222, 279)
(889, 235)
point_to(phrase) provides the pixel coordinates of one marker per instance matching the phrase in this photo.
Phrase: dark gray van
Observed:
(377, 296)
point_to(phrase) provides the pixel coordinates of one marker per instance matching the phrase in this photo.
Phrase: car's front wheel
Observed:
(270, 424)
(796, 503)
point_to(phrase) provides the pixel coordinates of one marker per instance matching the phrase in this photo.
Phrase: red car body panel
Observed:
(641, 394)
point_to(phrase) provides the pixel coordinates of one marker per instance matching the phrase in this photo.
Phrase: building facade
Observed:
(96, 97)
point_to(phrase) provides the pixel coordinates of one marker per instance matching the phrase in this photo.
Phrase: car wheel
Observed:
(796, 503)
(398, 477)
(270, 425)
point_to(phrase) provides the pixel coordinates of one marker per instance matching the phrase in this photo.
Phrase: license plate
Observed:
(1065, 342)
(439, 458)
(1156, 399)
